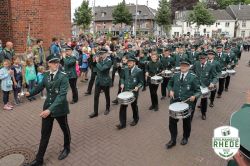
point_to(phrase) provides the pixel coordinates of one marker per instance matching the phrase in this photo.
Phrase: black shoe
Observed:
(115, 101)
(134, 123)
(87, 93)
(170, 144)
(199, 106)
(226, 90)
(218, 96)
(156, 108)
(93, 115)
(151, 107)
(119, 127)
(144, 89)
(64, 154)
(35, 163)
(163, 97)
(211, 105)
(184, 141)
(106, 112)
(73, 102)
(203, 117)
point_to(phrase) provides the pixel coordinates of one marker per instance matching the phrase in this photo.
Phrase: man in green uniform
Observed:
(222, 58)
(192, 55)
(207, 76)
(180, 56)
(69, 62)
(168, 63)
(103, 81)
(55, 107)
(131, 79)
(232, 62)
(241, 121)
(182, 86)
(216, 65)
(143, 60)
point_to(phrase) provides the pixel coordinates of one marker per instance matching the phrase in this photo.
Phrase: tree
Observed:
(83, 15)
(121, 14)
(163, 15)
(201, 16)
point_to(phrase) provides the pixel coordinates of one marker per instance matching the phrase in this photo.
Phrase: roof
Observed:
(145, 12)
(239, 11)
(221, 15)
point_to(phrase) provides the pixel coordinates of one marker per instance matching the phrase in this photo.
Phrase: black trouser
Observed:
(144, 78)
(47, 125)
(123, 113)
(115, 69)
(221, 85)
(91, 82)
(164, 85)
(212, 95)
(227, 82)
(193, 106)
(6, 97)
(17, 89)
(203, 106)
(173, 127)
(72, 83)
(153, 94)
(97, 95)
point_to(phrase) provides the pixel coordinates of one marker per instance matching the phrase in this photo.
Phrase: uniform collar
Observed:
(185, 74)
(132, 69)
(55, 72)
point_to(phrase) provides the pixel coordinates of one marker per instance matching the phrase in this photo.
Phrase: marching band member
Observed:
(182, 86)
(153, 68)
(168, 63)
(131, 79)
(103, 81)
(216, 65)
(207, 76)
(232, 62)
(143, 60)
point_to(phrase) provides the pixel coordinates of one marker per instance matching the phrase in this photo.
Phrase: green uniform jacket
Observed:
(178, 58)
(57, 89)
(154, 68)
(35, 51)
(103, 78)
(168, 62)
(70, 66)
(193, 57)
(133, 80)
(232, 163)
(216, 66)
(142, 62)
(223, 60)
(183, 90)
(232, 59)
(207, 75)
(92, 63)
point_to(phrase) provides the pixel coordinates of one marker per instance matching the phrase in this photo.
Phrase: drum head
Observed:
(231, 71)
(223, 72)
(125, 95)
(178, 106)
(156, 77)
(178, 68)
(168, 72)
(204, 90)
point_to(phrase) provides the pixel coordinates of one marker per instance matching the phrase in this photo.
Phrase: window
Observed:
(204, 30)
(244, 23)
(217, 24)
(227, 24)
(188, 24)
(243, 34)
(176, 34)
(103, 14)
(138, 13)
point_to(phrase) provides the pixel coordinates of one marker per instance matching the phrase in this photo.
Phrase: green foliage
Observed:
(121, 14)
(83, 15)
(163, 15)
(222, 4)
(201, 16)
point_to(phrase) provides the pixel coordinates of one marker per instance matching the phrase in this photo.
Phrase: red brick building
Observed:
(47, 18)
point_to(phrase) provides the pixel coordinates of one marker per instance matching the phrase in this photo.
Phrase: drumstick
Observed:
(186, 100)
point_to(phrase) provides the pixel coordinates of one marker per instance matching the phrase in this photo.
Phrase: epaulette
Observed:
(193, 74)
(63, 73)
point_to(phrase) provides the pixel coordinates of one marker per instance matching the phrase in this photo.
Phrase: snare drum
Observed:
(231, 72)
(156, 80)
(126, 98)
(167, 73)
(223, 74)
(179, 110)
(204, 91)
(177, 70)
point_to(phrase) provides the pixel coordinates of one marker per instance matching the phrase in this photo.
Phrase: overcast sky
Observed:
(76, 3)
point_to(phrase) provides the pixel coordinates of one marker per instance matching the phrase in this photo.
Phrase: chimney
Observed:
(239, 6)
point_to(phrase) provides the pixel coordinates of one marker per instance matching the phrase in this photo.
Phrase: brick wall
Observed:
(46, 19)
(5, 25)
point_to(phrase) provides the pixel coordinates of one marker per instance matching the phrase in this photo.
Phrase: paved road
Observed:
(96, 142)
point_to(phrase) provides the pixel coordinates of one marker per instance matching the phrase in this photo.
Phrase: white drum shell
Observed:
(179, 110)
(126, 98)
(156, 80)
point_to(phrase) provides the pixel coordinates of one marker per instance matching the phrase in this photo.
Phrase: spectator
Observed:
(6, 83)
(8, 52)
(30, 76)
(40, 76)
(39, 53)
(55, 48)
(18, 78)
(1, 46)
(83, 63)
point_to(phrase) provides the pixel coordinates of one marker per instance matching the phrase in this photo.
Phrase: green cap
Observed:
(187, 62)
(132, 58)
(241, 121)
(53, 58)
(211, 52)
(202, 54)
